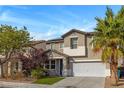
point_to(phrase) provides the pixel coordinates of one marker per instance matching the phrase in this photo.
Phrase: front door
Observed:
(61, 67)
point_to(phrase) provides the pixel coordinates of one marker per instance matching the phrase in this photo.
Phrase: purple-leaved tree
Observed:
(36, 58)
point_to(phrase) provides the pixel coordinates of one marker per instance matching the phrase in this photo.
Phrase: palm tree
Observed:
(120, 28)
(107, 38)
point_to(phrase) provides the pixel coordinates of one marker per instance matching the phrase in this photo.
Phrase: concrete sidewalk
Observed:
(4, 84)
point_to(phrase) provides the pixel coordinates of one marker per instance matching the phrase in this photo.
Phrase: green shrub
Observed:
(38, 73)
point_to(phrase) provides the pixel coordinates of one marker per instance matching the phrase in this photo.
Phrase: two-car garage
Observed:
(89, 69)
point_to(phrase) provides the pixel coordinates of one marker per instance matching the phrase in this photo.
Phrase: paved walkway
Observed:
(4, 84)
(81, 82)
(69, 82)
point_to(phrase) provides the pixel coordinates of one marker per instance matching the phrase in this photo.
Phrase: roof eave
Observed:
(73, 30)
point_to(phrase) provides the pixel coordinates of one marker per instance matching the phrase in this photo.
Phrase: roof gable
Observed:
(57, 52)
(68, 33)
(72, 31)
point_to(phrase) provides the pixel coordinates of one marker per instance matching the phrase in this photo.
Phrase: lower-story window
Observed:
(50, 64)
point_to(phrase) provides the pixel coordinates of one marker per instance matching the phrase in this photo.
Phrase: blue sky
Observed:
(46, 22)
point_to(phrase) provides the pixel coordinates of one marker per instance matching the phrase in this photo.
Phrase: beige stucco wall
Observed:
(80, 50)
(84, 50)
(41, 45)
(91, 54)
(55, 55)
(56, 46)
(81, 39)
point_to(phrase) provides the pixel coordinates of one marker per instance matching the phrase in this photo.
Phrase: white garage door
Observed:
(89, 69)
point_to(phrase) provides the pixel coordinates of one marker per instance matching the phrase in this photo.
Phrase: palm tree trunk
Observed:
(114, 69)
(110, 70)
(114, 75)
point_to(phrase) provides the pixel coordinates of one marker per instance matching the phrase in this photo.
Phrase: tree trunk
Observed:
(110, 70)
(6, 70)
(2, 62)
(114, 75)
(2, 73)
(114, 67)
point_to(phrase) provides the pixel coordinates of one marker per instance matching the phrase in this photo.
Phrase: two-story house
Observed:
(72, 55)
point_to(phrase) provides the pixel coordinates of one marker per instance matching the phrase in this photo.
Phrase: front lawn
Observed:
(48, 80)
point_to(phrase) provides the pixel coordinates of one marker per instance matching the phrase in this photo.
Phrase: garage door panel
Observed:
(89, 69)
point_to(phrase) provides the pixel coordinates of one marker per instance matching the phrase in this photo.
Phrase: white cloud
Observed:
(52, 31)
(90, 27)
(57, 32)
(6, 17)
(72, 14)
(55, 18)
(42, 36)
(50, 34)
(67, 18)
(20, 7)
(76, 22)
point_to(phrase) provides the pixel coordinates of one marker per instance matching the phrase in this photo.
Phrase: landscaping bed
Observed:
(48, 80)
(109, 85)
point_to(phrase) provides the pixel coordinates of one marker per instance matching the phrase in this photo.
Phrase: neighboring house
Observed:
(72, 55)
(15, 65)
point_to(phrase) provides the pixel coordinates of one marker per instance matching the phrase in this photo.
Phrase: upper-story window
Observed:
(51, 46)
(74, 43)
(61, 45)
(48, 46)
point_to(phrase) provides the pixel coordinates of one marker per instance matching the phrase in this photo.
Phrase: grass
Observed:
(48, 80)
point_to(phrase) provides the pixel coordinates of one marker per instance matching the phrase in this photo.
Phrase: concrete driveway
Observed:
(81, 82)
(68, 82)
